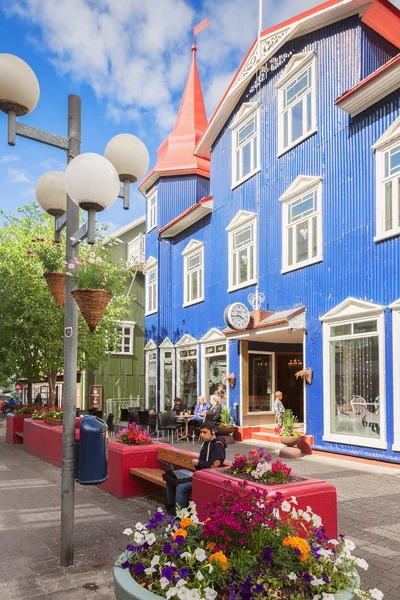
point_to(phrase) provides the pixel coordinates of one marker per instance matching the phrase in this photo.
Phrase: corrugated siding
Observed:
(353, 264)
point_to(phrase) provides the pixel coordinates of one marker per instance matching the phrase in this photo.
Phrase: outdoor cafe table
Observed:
(186, 419)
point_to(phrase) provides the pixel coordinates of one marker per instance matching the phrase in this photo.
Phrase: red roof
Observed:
(191, 209)
(176, 154)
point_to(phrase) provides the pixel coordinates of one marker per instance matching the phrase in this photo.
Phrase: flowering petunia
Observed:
(285, 506)
(376, 594)
(267, 555)
(360, 562)
(126, 564)
(200, 554)
(138, 568)
(210, 594)
(183, 572)
(164, 582)
(306, 577)
(179, 540)
(167, 548)
(155, 560)
(168, 573)
(150, 538)
(127, 531)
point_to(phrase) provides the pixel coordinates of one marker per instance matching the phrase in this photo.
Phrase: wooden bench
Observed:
(178, 458)
(19, 434)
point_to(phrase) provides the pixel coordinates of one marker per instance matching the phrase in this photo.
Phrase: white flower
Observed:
(328, 596)
(200, 576)
(155, 560)
(324, 552)
(210, 594)
(293, 500)
(127, 531)
(138, 538)
(294, 515)
(186, 555)
(306, 517)
(360, 562)
(150, 570)
(349, 545)
(161, 510)
(317, 597)
(163, 583)
(200, 554)
(309, 510)
(169, 564)
(334, 542)
(316, 581)
(171, 592)
(285, 506)
(150, 538)
(139, 526)
(275, 512)
(210, 568)
(317, 521)
(180, 583)
(193, 594)
(376, 594)
(292, 576)
(182, 593)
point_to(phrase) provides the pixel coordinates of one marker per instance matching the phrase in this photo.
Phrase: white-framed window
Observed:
(354, 374)
(167, 374)
(396, 373)
(302, 223)
(297, 116)
(387, 159)
(245, 143)
(214, 366)
(242, 244)
(151, 277)
(150, 375)
(187, 370)
(193, 273)
(152, 210)
(125, 345)
(136, 250)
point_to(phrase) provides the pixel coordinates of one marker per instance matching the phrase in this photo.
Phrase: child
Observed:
(278, 409)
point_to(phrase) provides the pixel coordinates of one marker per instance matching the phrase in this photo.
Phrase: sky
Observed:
(128, 60)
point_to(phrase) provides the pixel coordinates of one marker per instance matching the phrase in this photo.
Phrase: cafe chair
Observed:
(166, 421)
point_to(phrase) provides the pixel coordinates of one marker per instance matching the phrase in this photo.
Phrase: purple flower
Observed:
(306, 577)
(267, 555)
(131, 548)
(176, 552)
(315, 552)
(138, 568)
(246, 588)
(233, 596)
(184, 572)
(325, 578)
(258, 588)
(158, 517)
(230, 587)
(179, 540)
(167, 548)
(168, 573)
(297, 551)
(126, 564)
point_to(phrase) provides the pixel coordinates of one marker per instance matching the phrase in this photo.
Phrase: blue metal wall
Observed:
(353, 264)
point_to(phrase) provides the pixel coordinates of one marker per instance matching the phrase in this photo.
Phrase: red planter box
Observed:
(15, 424)
(44, 441)
(121, 458)
(320, 495)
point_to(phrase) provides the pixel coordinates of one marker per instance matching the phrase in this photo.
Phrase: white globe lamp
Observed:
(19, 87)
(92, 182)
(51, 194)
(129, 156)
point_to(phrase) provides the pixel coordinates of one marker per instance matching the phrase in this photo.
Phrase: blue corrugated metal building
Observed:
(287, 201)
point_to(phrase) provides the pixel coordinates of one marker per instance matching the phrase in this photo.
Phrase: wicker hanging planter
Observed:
(56, 283)
(92, 304)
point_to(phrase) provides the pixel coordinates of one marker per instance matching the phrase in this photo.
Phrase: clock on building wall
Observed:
(237, 315)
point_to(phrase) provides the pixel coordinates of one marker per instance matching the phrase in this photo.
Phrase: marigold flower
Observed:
(220, 558)
(181, 532)
(211, 546)
(300, 544)
(185, 523)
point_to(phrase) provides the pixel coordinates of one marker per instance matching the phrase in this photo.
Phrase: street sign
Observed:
(18, 387)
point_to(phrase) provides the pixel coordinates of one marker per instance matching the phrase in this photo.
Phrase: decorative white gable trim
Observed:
(352, 308)
(192, 246)
(395, 305)
(166, 344)
(297, 63)
(391, 136)
(263, 49)
(186, 340)
(246, 111)
(241, 218)
(213, 335)
(151, 345)
(300, 186)
(149, 264)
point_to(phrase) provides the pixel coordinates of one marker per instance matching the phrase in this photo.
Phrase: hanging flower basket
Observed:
(56, 283)
(92, 304)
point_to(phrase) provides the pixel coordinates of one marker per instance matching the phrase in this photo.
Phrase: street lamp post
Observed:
(93, 183)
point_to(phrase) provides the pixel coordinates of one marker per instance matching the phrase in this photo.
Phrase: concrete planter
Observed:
(15, 425)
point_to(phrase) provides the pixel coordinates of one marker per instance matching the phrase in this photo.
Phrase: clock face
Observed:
(237, 316)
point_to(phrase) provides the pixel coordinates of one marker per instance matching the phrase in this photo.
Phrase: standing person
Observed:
(212, 455)
(200, 411)
(38, 399)
(214, 413)
(278, 409)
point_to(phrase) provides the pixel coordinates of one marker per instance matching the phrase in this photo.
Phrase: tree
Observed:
(31, 325)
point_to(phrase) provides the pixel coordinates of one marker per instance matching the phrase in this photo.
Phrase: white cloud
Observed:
(52, 164)
(7, 158)
(18, 176)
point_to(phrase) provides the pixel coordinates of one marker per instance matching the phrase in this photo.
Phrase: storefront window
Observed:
(167, 388)
(215, 371)
(151, 380)
(354, 365)
(188, 376)
(260, 382)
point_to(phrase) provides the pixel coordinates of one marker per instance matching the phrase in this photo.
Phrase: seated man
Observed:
(178, 406)
(212, 456)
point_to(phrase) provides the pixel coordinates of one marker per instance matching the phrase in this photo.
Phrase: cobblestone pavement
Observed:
(30, 515)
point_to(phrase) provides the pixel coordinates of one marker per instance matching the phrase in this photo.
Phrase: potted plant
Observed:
(242, 546)
(258, 466)
(133, 435)
(50, 255)
(225, 426)
(54, 416)
(288, 435)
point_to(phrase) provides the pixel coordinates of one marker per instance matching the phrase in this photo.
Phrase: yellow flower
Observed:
(300, 544)
(220, 558)
(185, 523)
(211, 546)
(181, 532)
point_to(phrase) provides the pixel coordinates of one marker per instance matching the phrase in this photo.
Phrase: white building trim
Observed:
(166, 346)
(396, 373)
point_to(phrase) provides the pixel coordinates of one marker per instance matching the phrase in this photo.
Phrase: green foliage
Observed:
(96, 270)
(49, 253)
(225, 419)
(289, 423)
(32, 327)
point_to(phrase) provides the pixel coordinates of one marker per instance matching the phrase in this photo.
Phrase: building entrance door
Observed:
(261, 370)
(287, 364)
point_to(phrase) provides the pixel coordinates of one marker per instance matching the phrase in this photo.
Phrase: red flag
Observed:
(203, 25)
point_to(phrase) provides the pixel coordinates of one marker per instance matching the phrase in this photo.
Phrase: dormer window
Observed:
(296, 101)
(245, 143)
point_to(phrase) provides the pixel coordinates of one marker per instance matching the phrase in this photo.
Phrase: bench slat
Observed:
(180, 458)
(152, 475)
(19, 434)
